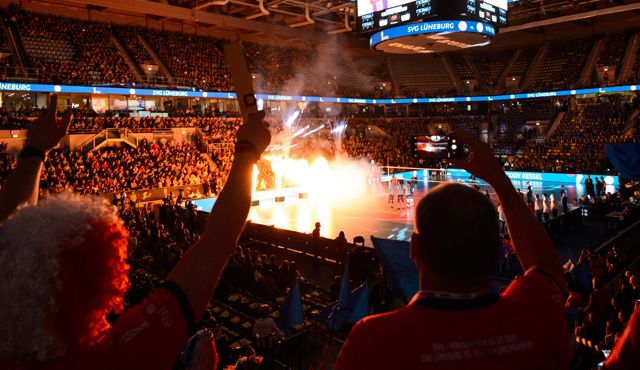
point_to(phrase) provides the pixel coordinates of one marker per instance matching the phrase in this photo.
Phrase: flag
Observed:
(626, 159)
(401, 271)
(358, 304)
(345, 286)
(200, 351)
(335, 316)
(291, 310)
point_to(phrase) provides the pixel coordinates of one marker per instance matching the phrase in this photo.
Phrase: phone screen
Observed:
(436, 147)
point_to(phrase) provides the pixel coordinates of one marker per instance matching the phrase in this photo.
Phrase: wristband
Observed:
(30, 151)
(246, 146)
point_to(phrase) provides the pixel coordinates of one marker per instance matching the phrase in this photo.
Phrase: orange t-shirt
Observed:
(524, 328)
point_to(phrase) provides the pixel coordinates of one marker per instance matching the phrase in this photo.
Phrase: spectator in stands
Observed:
(266, 332)
(634, 281)
(62, 324)
(342, 245)
(598, 303)
(575, 299)
(316, 242)
(455, 321)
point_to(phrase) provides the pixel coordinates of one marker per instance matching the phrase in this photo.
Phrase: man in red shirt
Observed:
(455, 321)
(63, 266)
(625, 353)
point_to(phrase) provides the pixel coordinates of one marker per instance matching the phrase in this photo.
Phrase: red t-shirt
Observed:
(525, 328)
(150, 336)
(625, 354)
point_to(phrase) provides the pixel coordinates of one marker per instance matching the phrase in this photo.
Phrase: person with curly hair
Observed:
(64, 268)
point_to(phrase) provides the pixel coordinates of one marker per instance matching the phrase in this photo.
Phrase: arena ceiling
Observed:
(310, 22)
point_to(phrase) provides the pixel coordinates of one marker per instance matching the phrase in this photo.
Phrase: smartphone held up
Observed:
(437, 147)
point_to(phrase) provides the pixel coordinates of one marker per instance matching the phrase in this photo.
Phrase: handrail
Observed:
(119, 134)
(616, 237)
(15, 47)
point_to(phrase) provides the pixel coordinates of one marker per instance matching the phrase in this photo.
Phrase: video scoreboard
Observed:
(376, 15)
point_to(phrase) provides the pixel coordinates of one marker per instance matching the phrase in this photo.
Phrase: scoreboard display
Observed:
(491, 11)
(376, 15)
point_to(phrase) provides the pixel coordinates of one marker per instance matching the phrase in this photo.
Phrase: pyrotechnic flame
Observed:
(320, 178)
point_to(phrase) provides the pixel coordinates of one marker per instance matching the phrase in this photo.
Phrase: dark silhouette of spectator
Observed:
(62, 324)
(455, 320)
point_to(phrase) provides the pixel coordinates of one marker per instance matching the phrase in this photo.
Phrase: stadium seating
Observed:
(72, 52)
(562, 65)
(614, 48)
(423, 75)
(491, 65)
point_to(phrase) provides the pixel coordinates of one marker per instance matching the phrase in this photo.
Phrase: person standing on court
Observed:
(564, 199)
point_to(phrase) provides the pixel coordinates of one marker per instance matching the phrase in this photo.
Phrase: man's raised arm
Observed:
(198, 271)
(43, 135)
(531, 242)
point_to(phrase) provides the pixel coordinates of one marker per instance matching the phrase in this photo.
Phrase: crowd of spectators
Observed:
(561, 67)
(161, 234)
(212, 126)
(69, 51)
(150, 165)
(195, 61)
(129, 38)
(611, 56)
(7, 162)
(519, 123)
(602, 296)
(578, 144)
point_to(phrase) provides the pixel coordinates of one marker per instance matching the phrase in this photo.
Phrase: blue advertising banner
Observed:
(422, 28)
(515, 176)
(105, 90)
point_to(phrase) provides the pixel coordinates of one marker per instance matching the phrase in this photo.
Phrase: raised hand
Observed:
(481, 162)
(256, 133)
(46, 132)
